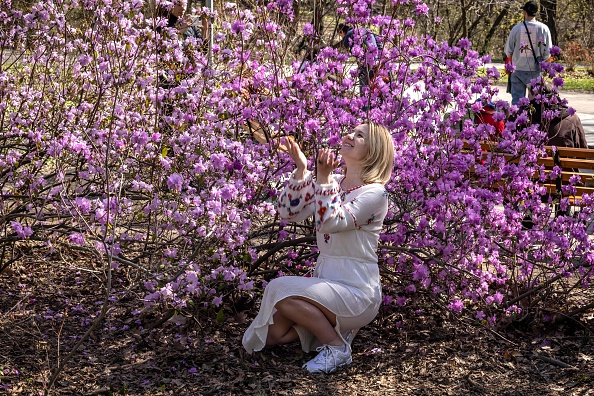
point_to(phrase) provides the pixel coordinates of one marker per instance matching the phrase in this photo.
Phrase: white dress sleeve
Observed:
(335, 215)
(296, 201)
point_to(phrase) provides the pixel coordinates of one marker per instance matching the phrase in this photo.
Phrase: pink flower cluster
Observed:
(121, 138)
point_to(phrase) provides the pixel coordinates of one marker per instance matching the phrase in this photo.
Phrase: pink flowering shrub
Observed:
(124, 141)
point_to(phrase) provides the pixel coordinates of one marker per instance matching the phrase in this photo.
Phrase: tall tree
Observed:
(489, 36)
(548, 15)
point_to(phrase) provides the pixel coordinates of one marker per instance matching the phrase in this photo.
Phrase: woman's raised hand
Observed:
(327, 162)
(298, 157)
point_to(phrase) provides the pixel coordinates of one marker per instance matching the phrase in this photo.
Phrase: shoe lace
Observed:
(324, 356)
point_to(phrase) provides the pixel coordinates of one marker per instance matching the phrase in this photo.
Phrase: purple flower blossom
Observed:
(22, 232)
(308, 29)
(497, 298)
(312, 125)
(83, 205)
(410, 288)
(84, 59)
(513, 309)
(558, 82)
(422, 9)
(456, 306)
(477, 107)
(175, 181)
(170, 252)
(217, 301)
(420, 272)
(238, 26)
(76, 238)
(464, 44)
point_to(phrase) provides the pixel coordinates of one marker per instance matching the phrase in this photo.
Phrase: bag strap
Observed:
(530, 41)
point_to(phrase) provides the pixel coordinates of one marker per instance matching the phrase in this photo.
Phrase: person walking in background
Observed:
(344, 293)
(369, 42)
(528, 44)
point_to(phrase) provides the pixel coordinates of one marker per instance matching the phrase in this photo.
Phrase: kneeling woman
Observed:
(344, 293)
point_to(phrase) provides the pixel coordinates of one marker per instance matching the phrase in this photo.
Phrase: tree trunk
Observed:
(492, 30)
(318, 12)
(463, 17)
(548, 14)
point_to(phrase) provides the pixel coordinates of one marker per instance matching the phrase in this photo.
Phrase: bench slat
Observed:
(576, 163)
(572, 152)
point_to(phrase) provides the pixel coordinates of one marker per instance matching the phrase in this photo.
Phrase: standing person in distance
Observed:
(528, 44)
(187, 27)
(365, 72)
(344, 294)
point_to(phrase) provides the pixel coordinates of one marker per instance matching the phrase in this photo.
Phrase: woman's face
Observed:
(355, 144)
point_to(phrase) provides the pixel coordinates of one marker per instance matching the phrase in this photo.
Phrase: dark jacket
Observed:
(565, 130)
(193, 31)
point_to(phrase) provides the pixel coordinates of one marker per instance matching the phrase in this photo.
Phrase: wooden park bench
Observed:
(573, 162)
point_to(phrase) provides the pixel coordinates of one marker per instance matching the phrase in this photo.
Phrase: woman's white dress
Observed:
(346, 278)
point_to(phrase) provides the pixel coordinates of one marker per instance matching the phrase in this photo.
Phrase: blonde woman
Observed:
(326, 310)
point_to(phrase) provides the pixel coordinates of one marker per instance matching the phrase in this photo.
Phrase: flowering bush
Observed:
(124, 141)
(573, 54)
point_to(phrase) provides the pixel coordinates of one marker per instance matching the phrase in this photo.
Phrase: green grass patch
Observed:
(578, 80)
(573, 84)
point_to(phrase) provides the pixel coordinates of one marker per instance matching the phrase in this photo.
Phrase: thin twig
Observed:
(191, 258)
(500, 336)
(569, 316)
(554, 362)
(539, 288)
(284, 244)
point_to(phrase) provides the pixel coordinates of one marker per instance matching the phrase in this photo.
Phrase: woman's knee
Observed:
(287, 302)
(303, 307)
(278, 331)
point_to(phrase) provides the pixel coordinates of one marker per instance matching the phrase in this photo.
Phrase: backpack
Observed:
(375, 39)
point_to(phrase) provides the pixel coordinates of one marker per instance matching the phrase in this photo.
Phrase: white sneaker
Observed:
(329, 359)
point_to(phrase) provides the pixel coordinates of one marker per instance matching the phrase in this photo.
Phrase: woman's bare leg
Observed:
(281, 331)
(311, 315)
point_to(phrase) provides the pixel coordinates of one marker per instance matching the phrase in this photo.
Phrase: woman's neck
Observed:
(352, 179)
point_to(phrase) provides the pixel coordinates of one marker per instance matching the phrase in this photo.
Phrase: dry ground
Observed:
(397, 354)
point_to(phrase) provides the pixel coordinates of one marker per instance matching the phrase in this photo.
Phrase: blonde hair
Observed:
(377, 166)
